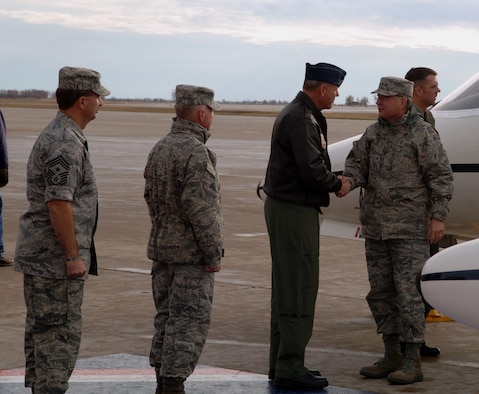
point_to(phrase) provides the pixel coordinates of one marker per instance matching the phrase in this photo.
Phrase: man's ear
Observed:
(321, 89)
(81, 101)
(200, 114)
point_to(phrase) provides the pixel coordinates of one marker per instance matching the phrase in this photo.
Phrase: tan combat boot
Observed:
(391, 361)
(410, 370)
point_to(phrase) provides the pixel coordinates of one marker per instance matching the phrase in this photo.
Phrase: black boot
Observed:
(306, 382)
(159, 388)
(272, 373)
(427, 351)
(173, 385)
(424, 351)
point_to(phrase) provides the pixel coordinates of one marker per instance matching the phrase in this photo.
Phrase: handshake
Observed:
(345, 187)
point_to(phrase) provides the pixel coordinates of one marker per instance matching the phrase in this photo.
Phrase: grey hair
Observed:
(186, 111)
(310, 85)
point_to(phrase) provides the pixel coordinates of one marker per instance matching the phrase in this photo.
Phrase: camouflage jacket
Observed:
(406, 175)
(59, 168)
(182, 191)
(427, 115)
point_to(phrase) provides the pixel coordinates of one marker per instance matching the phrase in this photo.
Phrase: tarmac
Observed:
(118, 308)
(127, 374)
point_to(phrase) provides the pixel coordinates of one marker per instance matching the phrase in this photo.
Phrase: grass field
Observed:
(338, 112)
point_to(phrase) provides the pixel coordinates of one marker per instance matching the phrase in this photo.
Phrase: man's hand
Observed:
(76, 268)
(436, 231)
(345, 187)
(210, 269)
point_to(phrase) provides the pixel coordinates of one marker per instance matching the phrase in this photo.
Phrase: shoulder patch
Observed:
(57, 174)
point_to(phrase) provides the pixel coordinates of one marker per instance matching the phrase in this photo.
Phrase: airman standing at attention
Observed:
(426, 89)
(182, 191)
(55, 249)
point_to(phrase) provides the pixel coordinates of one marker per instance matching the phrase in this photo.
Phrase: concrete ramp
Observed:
(127, 374)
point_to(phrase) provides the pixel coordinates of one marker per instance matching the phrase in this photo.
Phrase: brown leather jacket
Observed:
(299, 169)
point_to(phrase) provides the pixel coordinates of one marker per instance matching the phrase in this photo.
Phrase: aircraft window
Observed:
(466, 97)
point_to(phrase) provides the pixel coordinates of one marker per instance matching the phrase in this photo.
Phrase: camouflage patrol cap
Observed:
(394, 86)
(76, 78)
(190, 95)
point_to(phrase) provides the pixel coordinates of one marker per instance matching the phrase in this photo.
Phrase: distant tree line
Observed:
(135, 100)
(352, 102)
(29, 93)
(256, 102)
(44, 94)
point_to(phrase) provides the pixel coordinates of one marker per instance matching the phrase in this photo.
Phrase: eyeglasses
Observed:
(381, 97)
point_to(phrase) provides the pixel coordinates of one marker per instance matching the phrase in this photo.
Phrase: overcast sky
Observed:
(243, 49)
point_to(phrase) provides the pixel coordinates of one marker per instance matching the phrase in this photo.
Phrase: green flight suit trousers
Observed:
(294, 241)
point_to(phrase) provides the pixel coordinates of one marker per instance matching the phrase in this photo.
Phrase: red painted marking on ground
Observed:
(12, 372)
(132, 372)
(113, 372)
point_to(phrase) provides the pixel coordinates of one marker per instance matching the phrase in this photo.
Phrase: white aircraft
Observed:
(450, 282)
(450, 278)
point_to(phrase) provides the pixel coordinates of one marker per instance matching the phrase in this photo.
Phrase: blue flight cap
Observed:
(325, 72)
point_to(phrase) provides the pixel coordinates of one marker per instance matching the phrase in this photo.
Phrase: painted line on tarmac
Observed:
(201, 374)
(131, 270)
(247, 284)
(250, 235)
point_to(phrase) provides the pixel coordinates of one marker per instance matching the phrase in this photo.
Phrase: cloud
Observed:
(244, 49)
(427, 24)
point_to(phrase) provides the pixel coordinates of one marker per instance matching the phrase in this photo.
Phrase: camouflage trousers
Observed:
(183, 296)
(394, 299)
(52, 332)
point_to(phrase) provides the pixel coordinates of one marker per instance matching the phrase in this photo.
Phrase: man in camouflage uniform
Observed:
(182, 191)
(55, 249)
(426, 89)
(403, 167)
